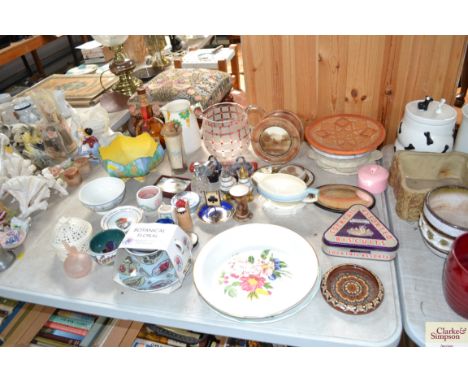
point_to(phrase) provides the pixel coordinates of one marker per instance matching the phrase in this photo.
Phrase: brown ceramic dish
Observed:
(345, 134)
(352, 289)
(340, 197)
(291, 117)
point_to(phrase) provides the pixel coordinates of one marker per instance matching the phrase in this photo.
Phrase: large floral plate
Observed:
(255, 271)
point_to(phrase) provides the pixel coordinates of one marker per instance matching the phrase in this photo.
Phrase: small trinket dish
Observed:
(340, 197)
(12, 238)
(171, 185)
(216, 214)
(352, 289)
(122, 218)
(358, 233)
(192, 198)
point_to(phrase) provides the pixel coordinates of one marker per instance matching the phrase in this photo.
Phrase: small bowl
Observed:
(192, 198)
(214, 215)
(437, 242)
(105, 245)
(446, 209)
(102, 194)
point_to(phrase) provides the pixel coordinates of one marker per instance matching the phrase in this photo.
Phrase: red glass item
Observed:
(455, 279)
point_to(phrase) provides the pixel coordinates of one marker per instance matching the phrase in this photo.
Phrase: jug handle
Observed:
(312, 195)
(197, 110)
(257, 110)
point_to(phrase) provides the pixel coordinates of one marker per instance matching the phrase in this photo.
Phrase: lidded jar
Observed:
(427, 126)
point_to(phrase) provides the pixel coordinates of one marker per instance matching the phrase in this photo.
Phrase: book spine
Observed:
(139, 342)
(75, 315)
(64, 340)
(66, 328)
(94, 331)
(48, 342)
(62, 333)
(161, 339)
(11, 316)
(74, 322)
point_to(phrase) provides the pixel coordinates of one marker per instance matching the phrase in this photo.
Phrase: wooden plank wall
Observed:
(374, 76)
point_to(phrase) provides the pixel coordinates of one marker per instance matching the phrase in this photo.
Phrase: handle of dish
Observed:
(312, 195)
(255, 114)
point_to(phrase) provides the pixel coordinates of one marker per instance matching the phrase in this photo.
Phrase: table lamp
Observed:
(121, 66)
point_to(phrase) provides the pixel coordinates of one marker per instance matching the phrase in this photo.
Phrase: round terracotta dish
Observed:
(345, 134)
(352, 289)
(276, 140)
(340, 197)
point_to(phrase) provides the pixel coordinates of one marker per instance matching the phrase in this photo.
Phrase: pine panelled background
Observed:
(375, 76)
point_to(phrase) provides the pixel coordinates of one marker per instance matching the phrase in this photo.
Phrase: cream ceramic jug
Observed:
(180, 111)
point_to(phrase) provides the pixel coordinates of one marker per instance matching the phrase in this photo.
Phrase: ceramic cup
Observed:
(149, 198)
(455, 280)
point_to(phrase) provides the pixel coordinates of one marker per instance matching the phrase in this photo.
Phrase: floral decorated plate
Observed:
(122, 218)
(255, 271)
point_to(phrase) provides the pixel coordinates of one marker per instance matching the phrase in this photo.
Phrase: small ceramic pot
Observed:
(446, 209)
(72, 176)
(427, 126)
(104, 245)
(284, 188)
(149, 199)
(455, 278)
(82, 163)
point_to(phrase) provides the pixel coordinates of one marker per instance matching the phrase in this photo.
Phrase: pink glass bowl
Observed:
(455, 279)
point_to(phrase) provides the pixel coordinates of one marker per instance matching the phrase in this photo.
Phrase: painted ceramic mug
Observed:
(455, 280)
(149, 199)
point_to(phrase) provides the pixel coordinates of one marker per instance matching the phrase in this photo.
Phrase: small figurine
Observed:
(90, 145)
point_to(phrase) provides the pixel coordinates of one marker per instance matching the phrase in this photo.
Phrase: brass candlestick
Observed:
(240, 193)
(123, 68)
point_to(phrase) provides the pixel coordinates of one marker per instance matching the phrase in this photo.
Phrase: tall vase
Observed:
(180, 112)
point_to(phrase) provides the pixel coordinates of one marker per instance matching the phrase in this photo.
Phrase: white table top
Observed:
(420, 278)
(38, 277)
(419, 274)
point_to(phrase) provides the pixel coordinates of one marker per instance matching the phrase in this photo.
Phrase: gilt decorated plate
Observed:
(256, 271)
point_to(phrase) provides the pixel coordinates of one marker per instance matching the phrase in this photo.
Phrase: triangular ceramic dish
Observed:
(359, 233)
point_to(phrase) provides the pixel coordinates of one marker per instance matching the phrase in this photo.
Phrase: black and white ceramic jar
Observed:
(427, 126)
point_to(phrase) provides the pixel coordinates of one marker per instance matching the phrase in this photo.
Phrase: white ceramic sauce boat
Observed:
(284, 188)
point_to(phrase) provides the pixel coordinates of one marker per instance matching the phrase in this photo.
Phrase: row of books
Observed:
(66, 328)
(160, 336)
(8, 311)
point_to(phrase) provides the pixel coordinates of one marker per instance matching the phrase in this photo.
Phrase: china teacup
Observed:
(149, 198)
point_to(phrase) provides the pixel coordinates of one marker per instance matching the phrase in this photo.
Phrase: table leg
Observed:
(38, 63)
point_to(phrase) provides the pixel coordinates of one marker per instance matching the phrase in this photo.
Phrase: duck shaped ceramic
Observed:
(284, 188)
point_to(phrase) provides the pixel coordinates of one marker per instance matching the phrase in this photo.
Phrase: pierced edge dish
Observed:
(347, 308)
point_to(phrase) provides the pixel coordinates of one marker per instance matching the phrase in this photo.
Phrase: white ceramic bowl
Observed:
(446, 209)
(102, 194)
(437, 242)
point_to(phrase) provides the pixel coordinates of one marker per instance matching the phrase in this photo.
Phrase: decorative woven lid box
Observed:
(359, 233)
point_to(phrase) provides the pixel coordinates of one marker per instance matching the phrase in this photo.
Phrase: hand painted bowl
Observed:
(284, 188)
(127, 157)
(102, 194)
(104, 245)
(455, 280)
(446, 209)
